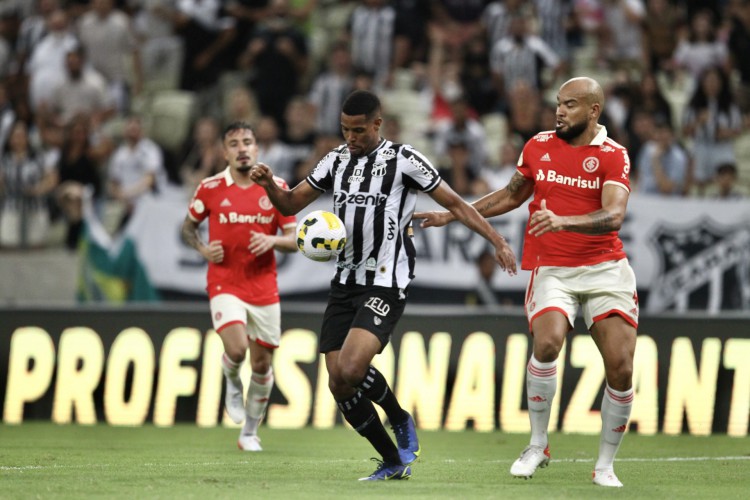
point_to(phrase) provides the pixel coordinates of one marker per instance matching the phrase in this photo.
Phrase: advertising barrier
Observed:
(453, 370)
(686, 254)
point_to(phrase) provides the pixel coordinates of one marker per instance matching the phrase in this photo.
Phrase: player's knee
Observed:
(235, 353)
(351, 373)
(620, 375)
(546, 349)
(261, 365)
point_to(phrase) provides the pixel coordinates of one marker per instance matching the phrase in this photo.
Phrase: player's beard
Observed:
(572, 131)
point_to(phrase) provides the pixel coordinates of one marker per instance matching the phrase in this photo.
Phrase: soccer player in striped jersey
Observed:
(580, 182)
(375, 183)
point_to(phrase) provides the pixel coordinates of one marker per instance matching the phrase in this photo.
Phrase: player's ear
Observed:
(377, 122)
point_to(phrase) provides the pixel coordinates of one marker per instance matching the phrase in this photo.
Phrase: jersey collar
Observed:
(378, 148)
(600, 136)
(228, 177)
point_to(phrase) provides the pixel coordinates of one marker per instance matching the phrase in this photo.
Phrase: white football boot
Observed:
(606, 477)
(249, 442)
(532, 458)
(234, 402)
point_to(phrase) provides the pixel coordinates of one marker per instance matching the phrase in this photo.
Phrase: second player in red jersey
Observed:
(243, 229)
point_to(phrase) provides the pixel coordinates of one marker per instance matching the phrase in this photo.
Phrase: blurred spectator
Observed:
(241, 105)
(46, 64)
(82, 91)
(207, 33)
(108, 36)
(277, 58)
(391, 128)
(7, 115)
(370, 35)
(410, 31)
(444, 75)
(26, 179)
(456, 168)
(203, 153)
(640, 131)
(699, 47)
(712, 120)
(135, 169)
(330, 88)
(272, 151)
(739, 47)
(556, 21)
(161, 49)
(323, 145)
(300, 133)
(458, 21)
(622, 33)
(663, 165)
(79, 163)
(648, 97)
(524, 110)
(463, 128)
(497, 176)
(476, 77)
(522, 57)
(725, 186)
(497, 15)
(32, 29)
(661, 27)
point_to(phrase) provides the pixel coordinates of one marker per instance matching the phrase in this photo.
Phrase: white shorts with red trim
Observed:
(262, 323)
(601, 290)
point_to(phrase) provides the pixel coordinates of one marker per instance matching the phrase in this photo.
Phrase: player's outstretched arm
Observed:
(605, 220)
(287, 201)
(261, 243)
(495, 203)
(468, 216)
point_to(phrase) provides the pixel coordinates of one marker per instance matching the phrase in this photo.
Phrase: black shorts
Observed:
(372, 308)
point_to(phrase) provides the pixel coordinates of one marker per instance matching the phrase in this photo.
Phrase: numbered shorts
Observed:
(262, 323)
(372, 308)
(600, 290)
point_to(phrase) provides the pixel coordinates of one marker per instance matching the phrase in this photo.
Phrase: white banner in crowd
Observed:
(686, 253)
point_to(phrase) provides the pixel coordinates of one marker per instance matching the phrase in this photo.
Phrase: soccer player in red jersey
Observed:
(580, 182)
(243, 229)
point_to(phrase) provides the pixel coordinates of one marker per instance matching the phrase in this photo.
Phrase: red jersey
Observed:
(233, 212)
(571, 179)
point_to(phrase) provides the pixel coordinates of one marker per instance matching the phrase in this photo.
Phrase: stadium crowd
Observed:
(130, 96)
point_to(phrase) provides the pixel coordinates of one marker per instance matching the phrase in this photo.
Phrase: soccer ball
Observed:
(321, 235)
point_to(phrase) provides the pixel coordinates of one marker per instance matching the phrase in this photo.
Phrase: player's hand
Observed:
(261, 174)
(506, 258)
(434, 218)
(545, 221)
(214, 252)
(260, 243)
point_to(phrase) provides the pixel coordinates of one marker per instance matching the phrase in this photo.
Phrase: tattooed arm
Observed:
(497, 202)
(606, 219)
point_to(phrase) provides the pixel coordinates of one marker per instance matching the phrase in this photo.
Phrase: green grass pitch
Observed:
(43, 460)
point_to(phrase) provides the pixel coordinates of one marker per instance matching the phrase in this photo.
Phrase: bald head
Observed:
(579, 105)
(586, 89)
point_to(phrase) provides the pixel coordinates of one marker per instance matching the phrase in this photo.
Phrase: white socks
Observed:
(541, 385)
(257, 400)
(230, 368)
(616, 406)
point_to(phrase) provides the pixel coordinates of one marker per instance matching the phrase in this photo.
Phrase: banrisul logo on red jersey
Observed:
(235, 218)
(566, 180)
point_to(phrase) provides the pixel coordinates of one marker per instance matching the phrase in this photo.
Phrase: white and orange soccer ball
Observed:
(321, 235)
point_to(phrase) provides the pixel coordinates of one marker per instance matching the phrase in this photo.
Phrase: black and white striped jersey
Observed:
(375, 196)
